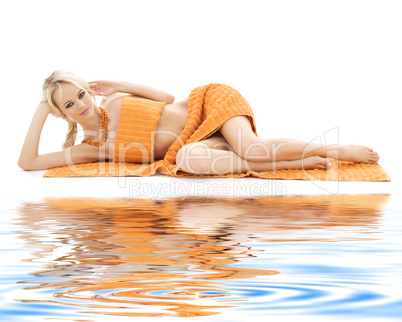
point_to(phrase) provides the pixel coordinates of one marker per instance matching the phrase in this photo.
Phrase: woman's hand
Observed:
(104, 87)
(55, 112)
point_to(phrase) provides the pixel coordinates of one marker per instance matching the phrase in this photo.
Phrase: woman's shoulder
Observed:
(112, 104)
(112, 100)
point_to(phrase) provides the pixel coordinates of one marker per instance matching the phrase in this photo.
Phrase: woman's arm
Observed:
(103, 87)
(31, 144)
(146, 91)
(29, 158)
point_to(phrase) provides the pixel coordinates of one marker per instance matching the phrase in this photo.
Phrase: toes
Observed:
(374, 157)
(321, 163)
(326, 164)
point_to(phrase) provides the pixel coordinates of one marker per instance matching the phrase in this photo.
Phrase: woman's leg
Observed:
(238, 133)
(199, 158)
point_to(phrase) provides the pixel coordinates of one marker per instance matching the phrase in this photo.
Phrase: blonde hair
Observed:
(54, 81)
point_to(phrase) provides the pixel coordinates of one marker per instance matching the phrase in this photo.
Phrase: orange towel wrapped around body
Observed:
(136, 130)
(210, 106)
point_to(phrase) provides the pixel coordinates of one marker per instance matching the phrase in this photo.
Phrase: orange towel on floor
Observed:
(209, 107)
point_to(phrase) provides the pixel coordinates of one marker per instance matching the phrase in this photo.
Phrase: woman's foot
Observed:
(357, 154)
(315, 162)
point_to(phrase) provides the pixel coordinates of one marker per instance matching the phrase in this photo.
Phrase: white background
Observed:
(305, 67)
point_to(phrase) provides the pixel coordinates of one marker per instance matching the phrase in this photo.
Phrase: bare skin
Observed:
(238, 141)
(226, 150)
(76, 104)
(253, 148)
(215, 156)
(201, 160)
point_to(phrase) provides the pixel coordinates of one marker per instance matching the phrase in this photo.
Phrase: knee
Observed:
(194, 159)
(256, 150)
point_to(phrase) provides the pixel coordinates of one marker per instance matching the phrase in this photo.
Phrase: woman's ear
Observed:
(61, 114)
(57, 113)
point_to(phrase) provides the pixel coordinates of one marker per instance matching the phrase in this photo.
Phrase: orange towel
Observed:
(209, 107)
(136, 130)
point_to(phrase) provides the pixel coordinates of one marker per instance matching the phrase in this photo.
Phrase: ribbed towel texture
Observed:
(136, 130)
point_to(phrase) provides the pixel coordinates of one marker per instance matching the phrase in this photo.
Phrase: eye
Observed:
(79, 96)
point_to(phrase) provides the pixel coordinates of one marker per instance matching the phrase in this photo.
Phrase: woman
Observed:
(68, 96)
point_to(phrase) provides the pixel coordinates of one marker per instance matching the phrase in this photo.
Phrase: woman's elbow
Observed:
(25, 165)
(169, 99)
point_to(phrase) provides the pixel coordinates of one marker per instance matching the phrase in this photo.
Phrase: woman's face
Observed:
(74, 102)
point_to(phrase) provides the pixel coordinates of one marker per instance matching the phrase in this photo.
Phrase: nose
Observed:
(81, 104)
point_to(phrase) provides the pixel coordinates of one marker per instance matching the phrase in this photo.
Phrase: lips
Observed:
(85, 112)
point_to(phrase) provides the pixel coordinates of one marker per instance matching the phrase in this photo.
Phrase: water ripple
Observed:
(204, 257)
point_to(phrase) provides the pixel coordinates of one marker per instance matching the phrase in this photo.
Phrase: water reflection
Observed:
(172, 257)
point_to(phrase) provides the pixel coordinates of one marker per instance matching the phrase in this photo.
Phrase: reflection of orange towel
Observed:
(209, 107)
